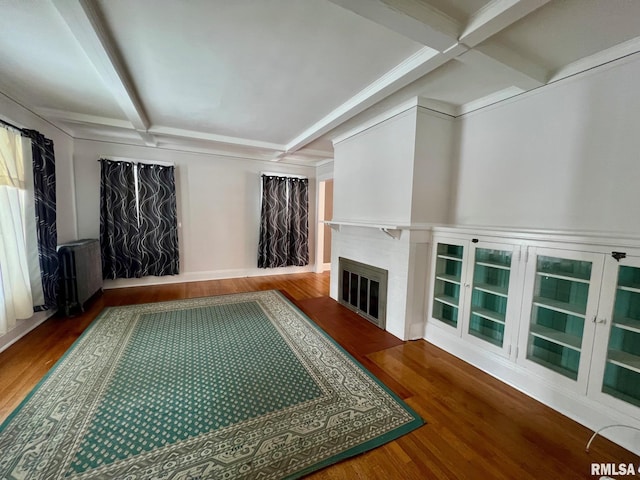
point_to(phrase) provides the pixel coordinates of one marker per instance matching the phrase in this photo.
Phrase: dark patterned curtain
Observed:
(44, 182)
(158, 220)
(284, 222)
(119, 242)
(298, 221)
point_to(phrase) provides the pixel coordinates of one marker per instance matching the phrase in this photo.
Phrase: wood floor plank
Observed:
(477, 427)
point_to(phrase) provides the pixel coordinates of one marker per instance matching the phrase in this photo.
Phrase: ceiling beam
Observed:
(86, 24)
(444, 39)
(519, 71)
(83, 118)
(416, 66)
(410, 18)
(494, 17)
(212, 137)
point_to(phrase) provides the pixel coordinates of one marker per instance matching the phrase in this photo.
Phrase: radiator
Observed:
(80, 273)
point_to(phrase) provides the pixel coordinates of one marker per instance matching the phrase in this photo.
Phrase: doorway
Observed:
(325, 213)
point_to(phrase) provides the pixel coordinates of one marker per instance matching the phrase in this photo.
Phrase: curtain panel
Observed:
(138, 220)
(298, 241)
(119, 241)
(44, 184)
(16, 300)
(158, 220)
(284, 228)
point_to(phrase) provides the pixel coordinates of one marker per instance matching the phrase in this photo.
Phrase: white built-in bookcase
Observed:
(555, 315)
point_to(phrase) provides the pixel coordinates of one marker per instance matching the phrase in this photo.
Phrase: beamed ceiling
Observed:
(279, 79)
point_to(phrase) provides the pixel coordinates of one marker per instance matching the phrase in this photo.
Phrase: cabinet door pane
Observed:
(448, 278)
(491, 274)
(558, 314)
(554, 356)
(486, 329)
(622, 370)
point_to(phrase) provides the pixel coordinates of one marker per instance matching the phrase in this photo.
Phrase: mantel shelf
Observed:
(392, 230)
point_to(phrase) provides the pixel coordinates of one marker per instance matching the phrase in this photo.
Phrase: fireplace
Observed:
(363, 289)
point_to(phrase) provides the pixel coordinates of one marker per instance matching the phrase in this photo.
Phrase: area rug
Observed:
(234, 386)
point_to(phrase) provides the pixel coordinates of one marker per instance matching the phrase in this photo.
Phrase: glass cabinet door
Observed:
(489, 294)
(622, 367)
(562, 305)
(558, 314)
(447, 287)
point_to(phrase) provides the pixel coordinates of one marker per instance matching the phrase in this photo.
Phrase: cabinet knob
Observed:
(603, 321)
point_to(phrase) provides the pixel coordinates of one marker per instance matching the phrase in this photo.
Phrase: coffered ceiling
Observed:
(278, 79)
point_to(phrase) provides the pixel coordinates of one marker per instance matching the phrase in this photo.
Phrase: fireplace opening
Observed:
(363, 289)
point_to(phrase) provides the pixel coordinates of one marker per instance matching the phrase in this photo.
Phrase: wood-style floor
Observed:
(477, 427)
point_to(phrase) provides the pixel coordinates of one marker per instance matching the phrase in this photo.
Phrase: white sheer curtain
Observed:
(16, 300)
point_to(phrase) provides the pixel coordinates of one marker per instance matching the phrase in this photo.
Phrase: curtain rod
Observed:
(276, 174)
(11, 125)
(136, 160)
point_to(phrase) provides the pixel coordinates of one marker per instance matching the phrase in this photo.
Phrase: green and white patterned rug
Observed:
(235, 386)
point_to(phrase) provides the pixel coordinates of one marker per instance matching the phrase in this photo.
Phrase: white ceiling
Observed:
(278, 79)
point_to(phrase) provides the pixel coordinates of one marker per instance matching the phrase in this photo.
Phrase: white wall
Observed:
(393, 173)
(65, 221)
(373, 172)
(218, 208)
(324, 171)
(328, 215)
(431, 199)
(566, 156)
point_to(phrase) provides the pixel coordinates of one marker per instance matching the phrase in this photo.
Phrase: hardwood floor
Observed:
(477, 427)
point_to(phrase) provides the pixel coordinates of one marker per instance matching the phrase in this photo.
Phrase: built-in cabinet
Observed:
(472, 285)
(567, 313)
(450, 273)
(490, 311)
(616, 353)
(560, 306)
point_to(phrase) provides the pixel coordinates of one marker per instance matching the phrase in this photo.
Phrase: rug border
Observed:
(33, 390)
(417, 421)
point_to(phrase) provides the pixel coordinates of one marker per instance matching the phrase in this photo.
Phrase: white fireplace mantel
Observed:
(392, 230)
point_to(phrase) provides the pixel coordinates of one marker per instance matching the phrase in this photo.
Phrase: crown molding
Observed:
(83, 118)
(423, 105)
(630, 47)
(490, 99)
(212, 137)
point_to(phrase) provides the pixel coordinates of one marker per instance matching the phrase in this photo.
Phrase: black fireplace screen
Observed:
(363, 288)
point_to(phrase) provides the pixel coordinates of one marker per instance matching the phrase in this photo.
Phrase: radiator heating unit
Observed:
(80, 274)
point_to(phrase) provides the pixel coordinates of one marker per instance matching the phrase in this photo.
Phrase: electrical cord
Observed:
(595, 434)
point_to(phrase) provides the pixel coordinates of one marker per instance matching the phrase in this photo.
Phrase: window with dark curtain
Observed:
(44, 183)
(284, 222)
(28, 233)
(158, 220)
(138, 220)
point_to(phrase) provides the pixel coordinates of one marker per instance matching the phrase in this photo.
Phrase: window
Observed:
(19, 278)
(138, 220)
(284, 224)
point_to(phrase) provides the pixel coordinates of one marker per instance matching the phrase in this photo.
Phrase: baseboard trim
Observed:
(577, 407)
(204, 276)
(23, 327)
